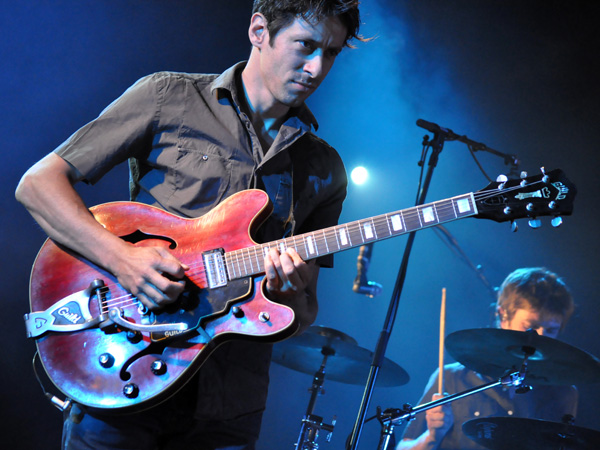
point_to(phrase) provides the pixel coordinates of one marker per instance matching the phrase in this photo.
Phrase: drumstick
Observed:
(442, 335)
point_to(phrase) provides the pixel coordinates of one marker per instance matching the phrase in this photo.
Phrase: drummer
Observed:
(529, 298)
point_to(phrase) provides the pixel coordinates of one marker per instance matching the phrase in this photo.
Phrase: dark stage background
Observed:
(520, 76)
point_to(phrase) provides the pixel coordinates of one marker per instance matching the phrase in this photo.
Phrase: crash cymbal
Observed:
(500, 433)
(346, 361)
(493, 352)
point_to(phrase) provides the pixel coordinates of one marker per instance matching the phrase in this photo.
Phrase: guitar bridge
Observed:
(214, 265)
(72, 313)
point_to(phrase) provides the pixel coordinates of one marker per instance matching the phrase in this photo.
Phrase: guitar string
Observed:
(251, 256)
(244, 257)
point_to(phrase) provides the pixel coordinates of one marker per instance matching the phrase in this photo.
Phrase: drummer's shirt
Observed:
(542, 402)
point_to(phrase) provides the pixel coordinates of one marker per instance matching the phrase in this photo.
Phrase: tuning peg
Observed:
(545, 178)
(502, 179)
(523, 176)
(535, 223)
(556, 222)
(513, 226)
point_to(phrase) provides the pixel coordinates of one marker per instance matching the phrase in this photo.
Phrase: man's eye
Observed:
(307, 45)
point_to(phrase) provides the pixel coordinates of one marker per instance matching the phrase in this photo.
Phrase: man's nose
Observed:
(314, 65)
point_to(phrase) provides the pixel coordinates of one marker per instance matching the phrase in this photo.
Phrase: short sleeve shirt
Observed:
(189, 147)
(543, 402)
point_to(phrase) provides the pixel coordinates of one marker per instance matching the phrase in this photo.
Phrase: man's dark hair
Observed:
(280, 13)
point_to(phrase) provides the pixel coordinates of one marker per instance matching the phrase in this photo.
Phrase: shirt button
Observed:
(510, 413)
(476, 413)
(205, 158)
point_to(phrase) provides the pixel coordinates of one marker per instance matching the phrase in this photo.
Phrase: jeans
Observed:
(168, 426)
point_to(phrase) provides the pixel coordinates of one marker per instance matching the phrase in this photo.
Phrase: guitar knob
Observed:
(106, 360)
(158, 367)
(552, 205)
(131, 390)
(530, 207)
(556, 222)
(535, 223)
(514, 227)
(134, 336)
(237, 312)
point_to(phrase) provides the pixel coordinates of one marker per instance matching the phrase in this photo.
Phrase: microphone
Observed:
(361, 284)
(434, 128)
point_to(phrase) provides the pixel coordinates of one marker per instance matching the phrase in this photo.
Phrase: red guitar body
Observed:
(107, 366)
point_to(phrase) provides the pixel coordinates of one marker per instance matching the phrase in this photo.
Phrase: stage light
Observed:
(359, 175)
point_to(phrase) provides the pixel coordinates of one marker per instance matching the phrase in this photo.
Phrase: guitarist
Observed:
(191, 141)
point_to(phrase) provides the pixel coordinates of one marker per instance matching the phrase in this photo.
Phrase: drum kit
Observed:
(513, 358)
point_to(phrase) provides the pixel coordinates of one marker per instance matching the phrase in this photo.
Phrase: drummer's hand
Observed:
(439, 420)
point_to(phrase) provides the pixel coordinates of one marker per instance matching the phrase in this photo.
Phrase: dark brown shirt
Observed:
(190, 146)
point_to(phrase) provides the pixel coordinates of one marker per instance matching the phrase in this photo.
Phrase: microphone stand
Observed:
(436, 145)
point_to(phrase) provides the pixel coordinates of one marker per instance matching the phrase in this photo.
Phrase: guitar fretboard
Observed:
(250, 261)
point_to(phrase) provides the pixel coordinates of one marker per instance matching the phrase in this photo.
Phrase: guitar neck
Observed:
(250, 261)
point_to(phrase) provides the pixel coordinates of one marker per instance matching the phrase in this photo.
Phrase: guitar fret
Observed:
(412, 221)
(244, 262)
(311, 244)
(230, 266)
(330, 240)
(325, 241)
(345, 237)
(428, 215)
(397, 222)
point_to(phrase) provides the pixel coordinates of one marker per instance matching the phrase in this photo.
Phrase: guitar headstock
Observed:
(547, 194)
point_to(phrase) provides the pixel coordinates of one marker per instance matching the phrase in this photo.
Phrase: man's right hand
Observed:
(439, 420)
(152, 274)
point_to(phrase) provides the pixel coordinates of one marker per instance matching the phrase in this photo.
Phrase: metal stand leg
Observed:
(311, 424)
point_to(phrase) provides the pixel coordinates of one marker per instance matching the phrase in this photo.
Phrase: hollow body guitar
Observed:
(104, 349)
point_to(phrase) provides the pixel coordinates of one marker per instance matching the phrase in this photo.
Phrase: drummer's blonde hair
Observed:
(534, 288)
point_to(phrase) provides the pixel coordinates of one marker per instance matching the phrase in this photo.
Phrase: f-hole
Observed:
(138, 236)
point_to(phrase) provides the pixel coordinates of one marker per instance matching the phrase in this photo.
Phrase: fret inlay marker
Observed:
(428, 214)
(368, 231)
(311, 245)
(396, 222)
(343, 236)
(463, 205)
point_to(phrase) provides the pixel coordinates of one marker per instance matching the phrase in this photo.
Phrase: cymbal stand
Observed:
(391, 417)
(312, 424)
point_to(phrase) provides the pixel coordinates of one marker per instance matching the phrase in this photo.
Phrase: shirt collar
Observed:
(225, 84)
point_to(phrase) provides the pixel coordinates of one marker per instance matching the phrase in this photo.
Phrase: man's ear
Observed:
(258, 30)
(502, 315)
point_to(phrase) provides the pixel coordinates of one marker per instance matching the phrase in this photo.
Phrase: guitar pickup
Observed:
(214, 265)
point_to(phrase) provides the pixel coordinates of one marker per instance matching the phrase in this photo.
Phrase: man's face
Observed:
(295, 62)
(525, 319)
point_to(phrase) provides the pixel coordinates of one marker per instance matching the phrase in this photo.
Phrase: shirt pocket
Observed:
(202, 177)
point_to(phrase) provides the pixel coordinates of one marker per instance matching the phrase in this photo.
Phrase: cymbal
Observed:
(499, 433)
(346, 361)
(493, 352)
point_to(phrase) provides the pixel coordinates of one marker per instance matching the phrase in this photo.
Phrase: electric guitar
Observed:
(101, 347)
